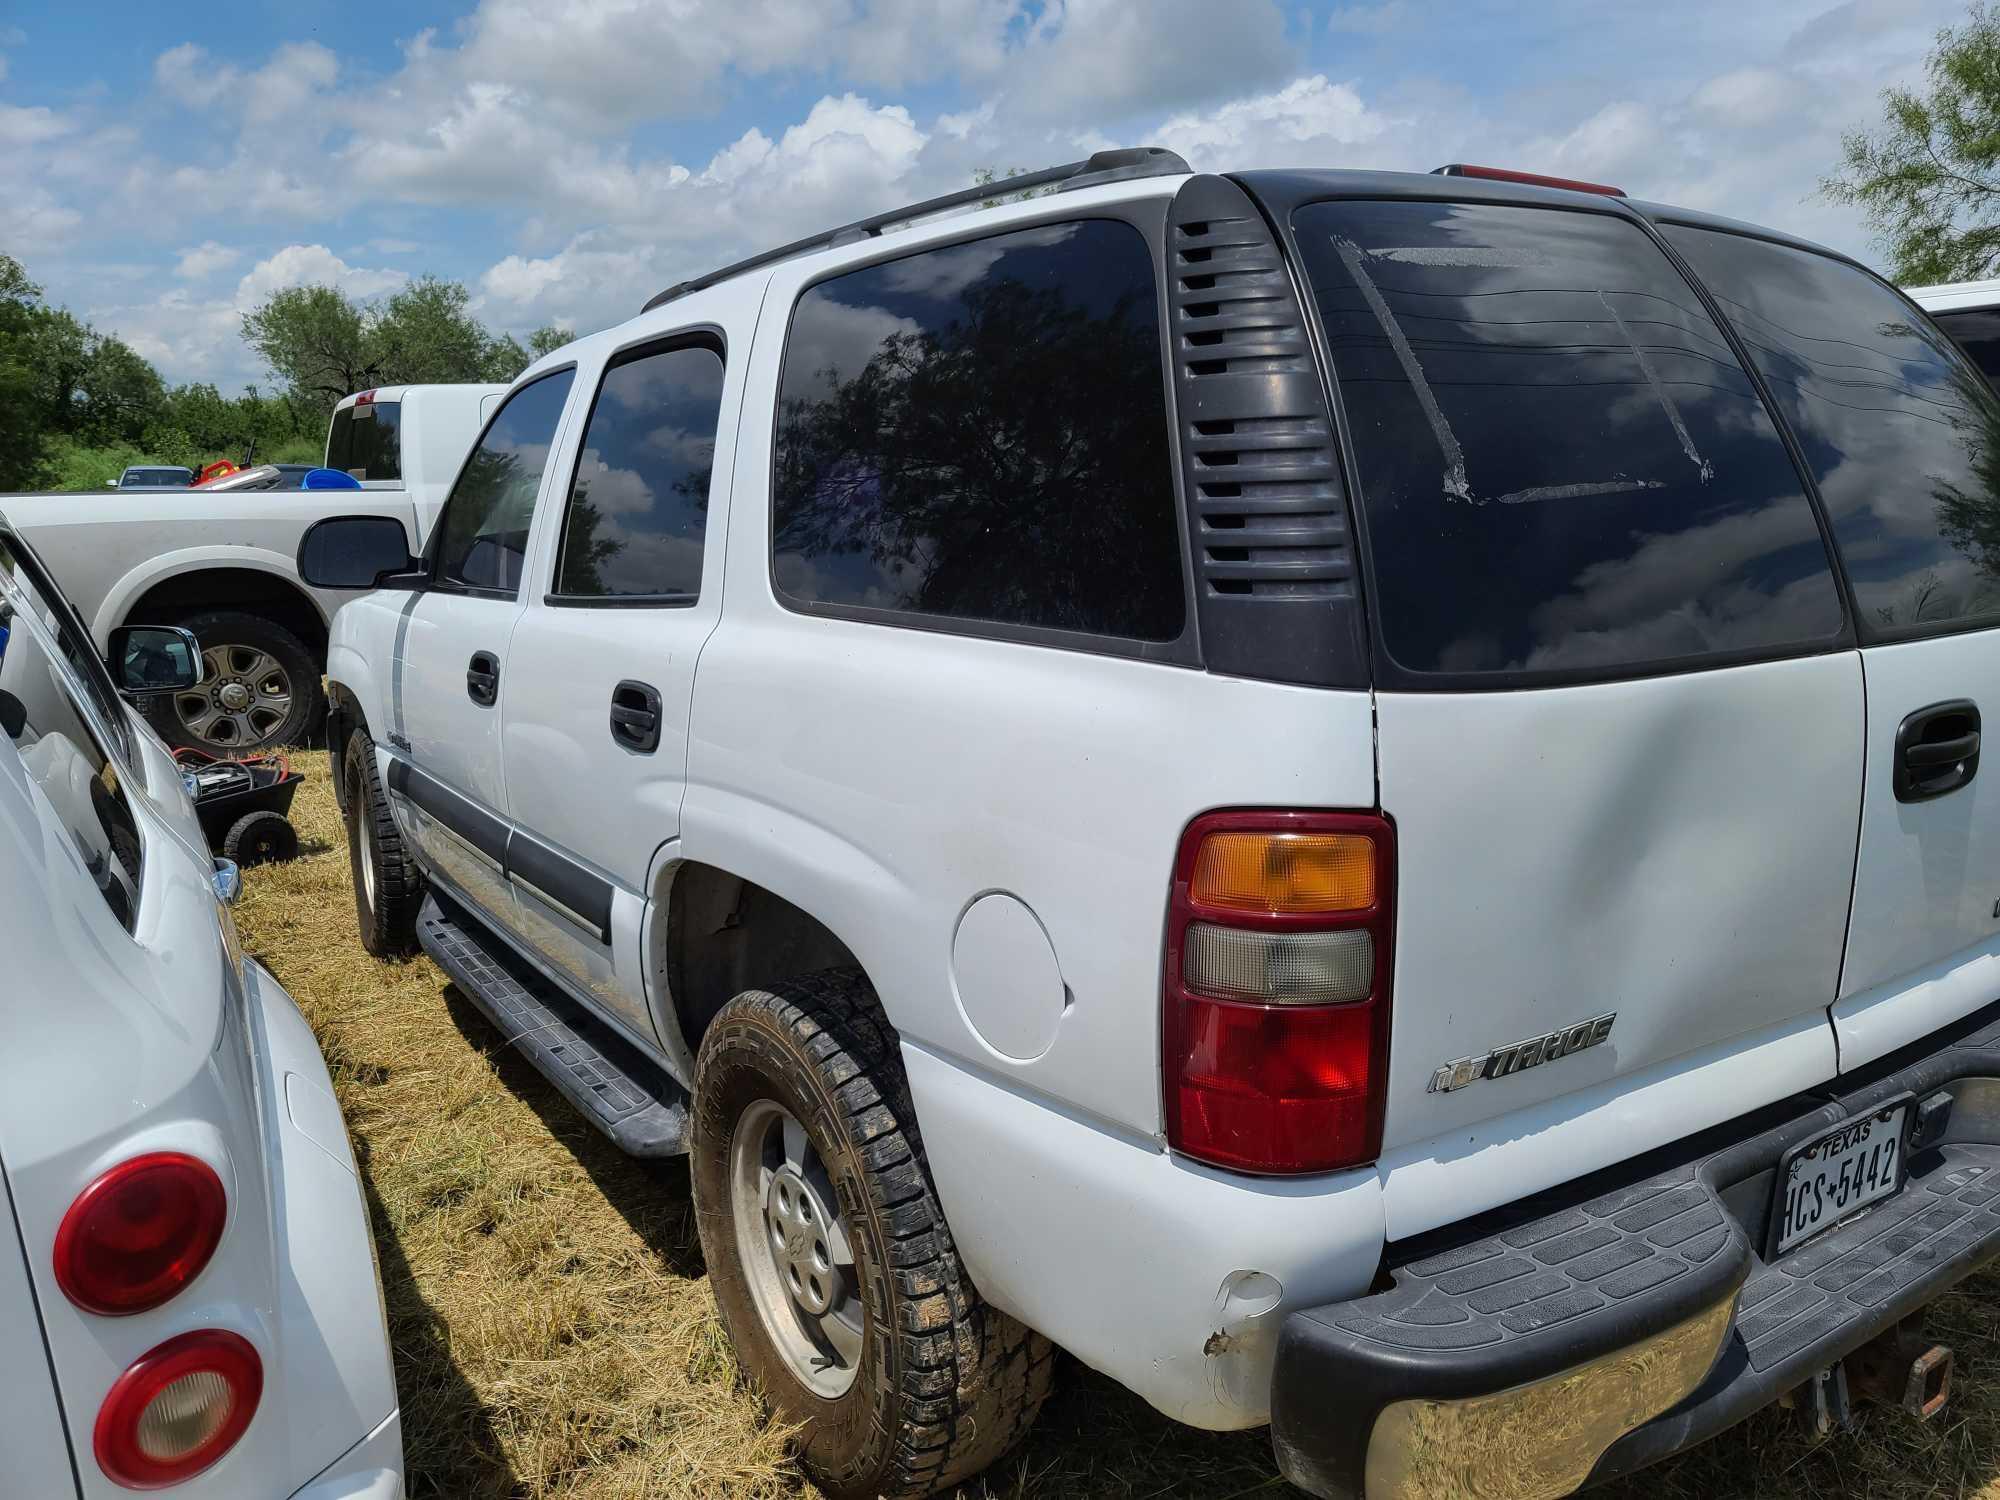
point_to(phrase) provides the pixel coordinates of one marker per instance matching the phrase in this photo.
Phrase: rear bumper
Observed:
(1470, 1373)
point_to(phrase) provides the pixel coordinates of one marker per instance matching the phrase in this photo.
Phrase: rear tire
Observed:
(260, 687)
(936, 1385)
(388, 886)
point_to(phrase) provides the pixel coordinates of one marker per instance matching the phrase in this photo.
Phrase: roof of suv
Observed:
(1163, 173)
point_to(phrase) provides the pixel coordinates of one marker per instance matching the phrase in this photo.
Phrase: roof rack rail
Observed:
(1100, 167)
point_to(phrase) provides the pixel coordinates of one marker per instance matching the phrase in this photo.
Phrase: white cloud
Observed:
(1102, 60)
(311, 265)
(30, 126)
(205, 260)
(1302, 124)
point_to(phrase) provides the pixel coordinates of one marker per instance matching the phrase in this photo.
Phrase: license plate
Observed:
(1837, 1174)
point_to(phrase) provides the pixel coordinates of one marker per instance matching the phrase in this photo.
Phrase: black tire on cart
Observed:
(261, 838)
(829, 1255)
(260, 687)
(388, 886)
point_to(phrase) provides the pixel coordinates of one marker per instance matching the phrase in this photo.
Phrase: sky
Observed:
(163, 168)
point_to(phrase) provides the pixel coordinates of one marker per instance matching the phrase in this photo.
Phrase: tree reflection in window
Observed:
(486, 518)
(979, 432)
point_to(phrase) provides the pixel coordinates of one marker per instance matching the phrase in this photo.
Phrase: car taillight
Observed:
(1276, 1020)
(139, 1233)
(178, 1409)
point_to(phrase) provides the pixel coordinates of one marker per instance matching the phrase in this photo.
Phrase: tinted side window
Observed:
(979, 432)
(1977, 331)
(483, 535)
(639, 502)
(1563, 466)
(58, 747)
(366, 440)
(1901, 431)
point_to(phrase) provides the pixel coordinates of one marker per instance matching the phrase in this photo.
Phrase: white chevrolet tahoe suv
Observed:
(1354, 796)
(219, 561)
(188, 1299)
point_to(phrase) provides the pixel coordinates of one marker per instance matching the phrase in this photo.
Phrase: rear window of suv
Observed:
(1900, 429)
(366, 440)
(1564, 470)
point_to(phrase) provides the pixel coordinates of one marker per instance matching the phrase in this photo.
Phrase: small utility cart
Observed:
(243, 805)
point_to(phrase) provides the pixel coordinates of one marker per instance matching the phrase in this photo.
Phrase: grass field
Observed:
(554, 1334)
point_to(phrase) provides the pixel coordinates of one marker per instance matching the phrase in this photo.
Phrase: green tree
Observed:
(318, 341)
(546, 340)
(321, 344)
(22, 438)
(1929, 179)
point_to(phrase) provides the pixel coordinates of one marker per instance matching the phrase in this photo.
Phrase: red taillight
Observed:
(1276, 1023)
(365, 398)
(1534, 179)
(178, 1409)
(139, 1233)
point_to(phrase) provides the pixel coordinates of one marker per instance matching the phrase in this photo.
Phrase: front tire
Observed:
(260, 688)
(388, 886)
(829, 1255)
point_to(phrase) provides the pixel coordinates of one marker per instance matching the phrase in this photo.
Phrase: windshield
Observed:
(365, 440)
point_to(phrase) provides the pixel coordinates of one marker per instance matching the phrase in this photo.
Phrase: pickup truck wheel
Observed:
(830, 1258)
(388, 886)
(260, 687)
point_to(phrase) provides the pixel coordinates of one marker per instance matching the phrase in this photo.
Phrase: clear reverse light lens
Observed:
(185, 1415)
(1285, 968)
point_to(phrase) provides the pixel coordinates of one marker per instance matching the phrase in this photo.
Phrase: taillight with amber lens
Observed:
(1276, 1004)
(140, 1232)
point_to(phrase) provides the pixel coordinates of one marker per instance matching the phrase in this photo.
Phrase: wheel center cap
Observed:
(235, 696)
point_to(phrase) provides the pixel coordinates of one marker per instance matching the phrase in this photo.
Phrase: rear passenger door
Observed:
(601, 665)
(1620, 716)
(1902, 434)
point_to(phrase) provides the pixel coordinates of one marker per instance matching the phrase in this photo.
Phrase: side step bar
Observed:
(619, 1090)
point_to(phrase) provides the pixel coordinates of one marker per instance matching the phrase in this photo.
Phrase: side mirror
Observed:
(357, 552)
(147, 659)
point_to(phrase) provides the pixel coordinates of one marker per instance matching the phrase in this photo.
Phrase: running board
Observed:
(619, 1090)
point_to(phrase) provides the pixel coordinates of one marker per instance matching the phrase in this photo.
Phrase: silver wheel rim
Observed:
(366, 824)
(243, 699)
(797, 1254)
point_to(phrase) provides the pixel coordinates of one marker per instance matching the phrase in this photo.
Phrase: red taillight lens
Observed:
(179, 1409)
(139, 1233)
(1276, 1023)
(1534, 179)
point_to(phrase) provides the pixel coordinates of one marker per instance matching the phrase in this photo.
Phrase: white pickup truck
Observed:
(221, 563)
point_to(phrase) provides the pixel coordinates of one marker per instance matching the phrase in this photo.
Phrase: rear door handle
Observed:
(482, 678)
(1937, 750)
(635, 716)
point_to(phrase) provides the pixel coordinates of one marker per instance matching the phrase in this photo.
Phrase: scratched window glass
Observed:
(1564, 468)
(1901, 430)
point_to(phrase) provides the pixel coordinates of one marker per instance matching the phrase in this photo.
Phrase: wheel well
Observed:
(246, 589)
(343, 714)
(726, 934)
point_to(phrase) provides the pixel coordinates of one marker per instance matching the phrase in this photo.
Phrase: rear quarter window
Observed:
(1901, 431)
(1564, 470)
(978, 433)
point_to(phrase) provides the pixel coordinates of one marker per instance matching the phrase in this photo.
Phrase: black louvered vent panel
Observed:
(1267, 513)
